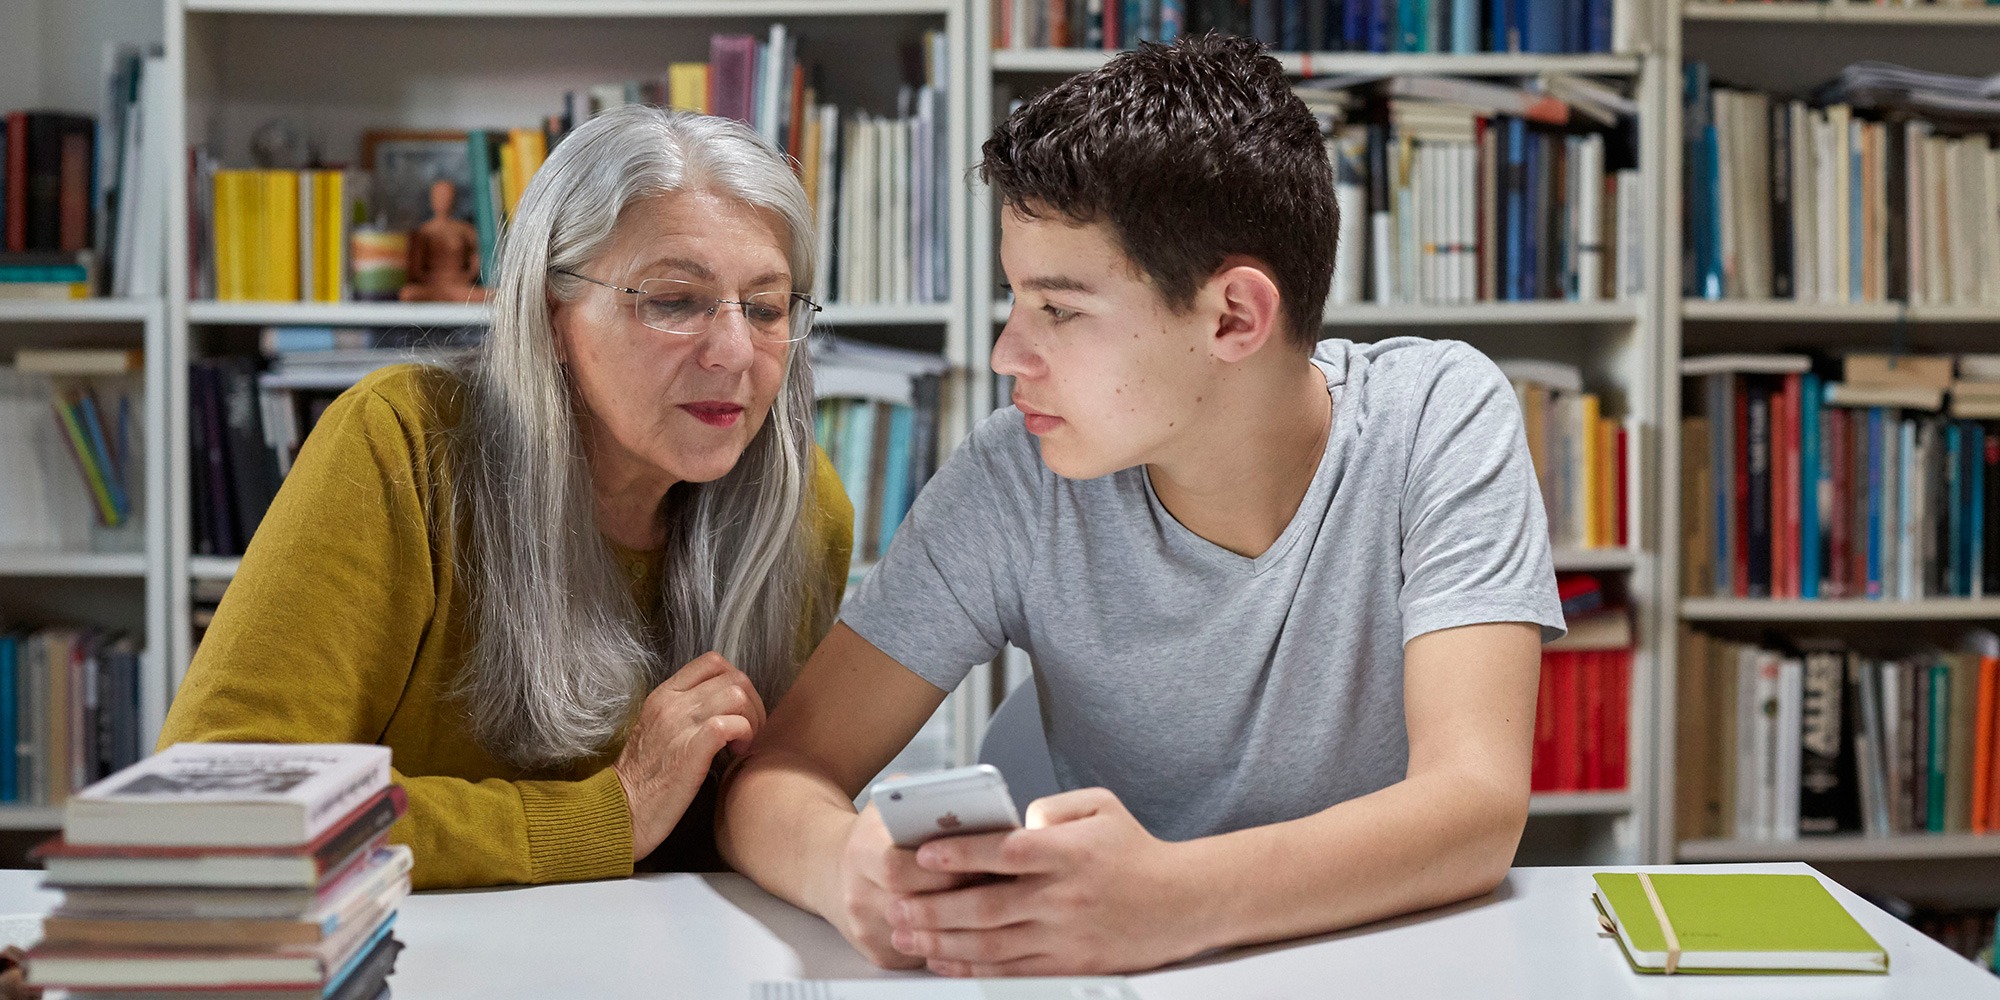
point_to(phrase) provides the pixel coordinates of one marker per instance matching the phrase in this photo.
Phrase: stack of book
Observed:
(877, 422)
(1785, 200)
(1817, 738)
(1582, 716)
(1455, 190)
(1802, 484)
(226, 868)
(1457, 26)
(1582, 455)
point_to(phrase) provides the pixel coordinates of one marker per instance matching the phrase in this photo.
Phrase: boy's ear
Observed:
(1251, 314)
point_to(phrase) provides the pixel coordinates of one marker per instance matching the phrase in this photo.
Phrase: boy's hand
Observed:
(873, 875)
(1089, 892)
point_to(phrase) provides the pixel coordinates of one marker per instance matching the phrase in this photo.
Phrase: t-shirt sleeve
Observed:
(947, 594)
(1475, 537)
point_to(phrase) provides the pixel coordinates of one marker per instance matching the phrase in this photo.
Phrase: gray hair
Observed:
(561, 656)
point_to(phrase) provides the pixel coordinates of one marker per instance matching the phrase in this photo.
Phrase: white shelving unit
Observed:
(1614, 342)
(1736, 40)
(123, 590)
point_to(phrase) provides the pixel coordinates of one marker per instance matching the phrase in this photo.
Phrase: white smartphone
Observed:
(947, 803)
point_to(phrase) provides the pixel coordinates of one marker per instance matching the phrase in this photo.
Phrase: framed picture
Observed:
(404, 164)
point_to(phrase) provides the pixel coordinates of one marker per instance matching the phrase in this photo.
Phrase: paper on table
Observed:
(20, 930)
(1099, 988)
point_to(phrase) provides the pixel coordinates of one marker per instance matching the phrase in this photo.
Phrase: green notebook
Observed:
(1736, 924)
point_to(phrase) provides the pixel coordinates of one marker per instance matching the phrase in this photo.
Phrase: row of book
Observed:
(228, 869)
(1785, 200)
(71, 437)
(1457, 26)
(1797, 485)
(273, 235)
(248, 416)
(69, 710)
(1581, 453)
(1467, 191)
(1583, 719)
(87, 189)
(878, 422)
(1818, 738)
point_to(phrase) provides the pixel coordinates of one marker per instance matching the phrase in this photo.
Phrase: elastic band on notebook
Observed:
(1666, 926)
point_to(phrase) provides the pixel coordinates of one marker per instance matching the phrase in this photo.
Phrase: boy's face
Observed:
(1108, 377)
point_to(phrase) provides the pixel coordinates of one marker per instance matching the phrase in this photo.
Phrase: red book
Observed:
(1569, 723)
(1785, 520)
(73, 193)
(1541, 771)
(1618, 718)
(1111, 39)
(1589, 765)
(1740, 486)
(17, 182)
(1982, 745)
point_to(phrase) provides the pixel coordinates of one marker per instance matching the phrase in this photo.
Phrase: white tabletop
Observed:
(710, 936)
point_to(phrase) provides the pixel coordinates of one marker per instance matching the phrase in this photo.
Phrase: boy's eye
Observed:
(1058, 313)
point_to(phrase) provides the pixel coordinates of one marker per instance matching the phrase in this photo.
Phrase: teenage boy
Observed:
(1284, 601)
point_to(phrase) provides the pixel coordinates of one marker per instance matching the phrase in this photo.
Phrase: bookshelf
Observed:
(1737, 41)
(1613, 342)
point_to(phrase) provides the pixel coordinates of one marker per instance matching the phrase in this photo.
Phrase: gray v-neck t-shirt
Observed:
(1210, 691)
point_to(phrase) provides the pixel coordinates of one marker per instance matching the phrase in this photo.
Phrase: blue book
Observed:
(857, 457)
(1856, 192)
(1381, 24)
(1711, 159)
(1499, 25)
(10, 652)
(1292, 26)
(1954, 463)
(1354, 25)
(1977, 489)
(1542, 26)
(114, 479)
(1906, 572)
(484, 220)
(1132, 23)
(1531, 232)
(1598, 12)
(294, 339)
(1409, 25)
(1173, 18)
(1874, 502)
(1809, 485)
(1512, 239)
(1464, 26)
(896, 472)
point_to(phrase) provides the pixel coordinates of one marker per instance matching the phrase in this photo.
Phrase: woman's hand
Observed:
(684, 723)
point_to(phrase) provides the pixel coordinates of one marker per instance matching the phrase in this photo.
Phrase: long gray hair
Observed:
(560, 657)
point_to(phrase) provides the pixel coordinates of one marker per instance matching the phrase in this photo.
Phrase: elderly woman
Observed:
(536, 579)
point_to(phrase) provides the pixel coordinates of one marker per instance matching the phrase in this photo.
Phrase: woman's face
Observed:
(665, 407)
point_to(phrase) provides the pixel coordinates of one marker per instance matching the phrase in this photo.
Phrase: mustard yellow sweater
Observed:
(348, 623)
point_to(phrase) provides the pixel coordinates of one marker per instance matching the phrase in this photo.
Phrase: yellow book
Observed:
(223, 238)
(510, 172)
(334, 256)
(1593, 461)
(1606, 501)
(282, 188)
(687, 86)
(531, 147)
(86, 461)
(809, 155)
(256, 254)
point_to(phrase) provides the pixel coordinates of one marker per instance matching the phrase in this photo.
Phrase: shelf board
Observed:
(1330, 63)
(1786, 311)
(1843, 13)
(1763, 610)
(21, 562)
(213, 567)
(16, 816)
(77, 310)
(1845, 847)
(1371, 314)
(1587, 560)
(575, 8)
(1580, 804)
(440, 314)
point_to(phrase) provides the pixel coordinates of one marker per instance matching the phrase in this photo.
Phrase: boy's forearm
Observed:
(783, 823)
(1422, 842)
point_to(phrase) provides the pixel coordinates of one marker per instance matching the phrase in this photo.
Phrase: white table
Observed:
(709, 936)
